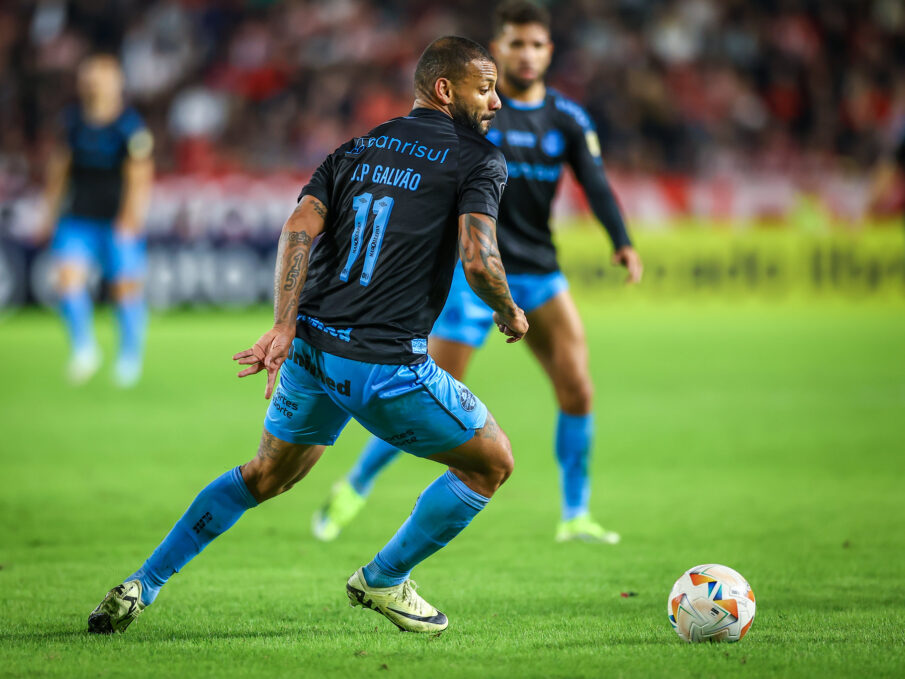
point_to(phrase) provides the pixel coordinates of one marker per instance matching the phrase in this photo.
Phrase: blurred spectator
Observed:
(676, 86)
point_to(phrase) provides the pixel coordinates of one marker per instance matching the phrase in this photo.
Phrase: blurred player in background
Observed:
(891, 167)
(98, 187)
(538, 131)
(391, 210)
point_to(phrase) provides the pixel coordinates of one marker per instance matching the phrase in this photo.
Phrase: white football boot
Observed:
(585, 529)
(342, 506)
(118, 609)
(401, 605)
(127, 372)
(83, 364)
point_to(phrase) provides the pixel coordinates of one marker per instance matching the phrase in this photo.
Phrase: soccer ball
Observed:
(711, 603)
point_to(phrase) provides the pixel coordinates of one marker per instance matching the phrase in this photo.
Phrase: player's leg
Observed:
(74, 249)
(476, 470)
(443, 510)
(557, 339)
(451, 355)
(348, 495)
(277, 466)
(444, 422)
(300, 421)
(126, 264)
(460, 329)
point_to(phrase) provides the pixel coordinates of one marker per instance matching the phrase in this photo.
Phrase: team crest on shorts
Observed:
(466, 399)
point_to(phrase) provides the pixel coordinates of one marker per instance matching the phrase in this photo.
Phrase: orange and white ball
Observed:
(711, 603)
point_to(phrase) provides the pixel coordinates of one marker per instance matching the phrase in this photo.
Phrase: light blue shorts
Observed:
(94, 241)
(466, 319)
(418, 408)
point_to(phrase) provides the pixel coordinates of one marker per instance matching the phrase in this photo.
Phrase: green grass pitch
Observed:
(770, 438)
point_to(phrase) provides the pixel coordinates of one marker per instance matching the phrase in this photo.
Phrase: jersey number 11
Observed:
(362, 206)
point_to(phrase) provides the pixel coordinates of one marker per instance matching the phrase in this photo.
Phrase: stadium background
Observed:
(718, 120)
(749, 392)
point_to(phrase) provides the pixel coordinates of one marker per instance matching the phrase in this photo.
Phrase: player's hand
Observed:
(514, 328)
(627, 257)
(268, 353)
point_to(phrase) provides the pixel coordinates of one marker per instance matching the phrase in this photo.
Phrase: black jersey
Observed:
(98, 152)
(900, 151)
(536, 140)
(380, 273)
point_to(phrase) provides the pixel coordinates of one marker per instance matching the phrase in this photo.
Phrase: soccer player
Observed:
(884, 176)
(98, 186)
(389, 210)
(538, 131)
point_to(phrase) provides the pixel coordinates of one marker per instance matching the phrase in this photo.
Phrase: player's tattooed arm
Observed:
(481, 261)
(483, 267)
(303, 225)
(272, 348)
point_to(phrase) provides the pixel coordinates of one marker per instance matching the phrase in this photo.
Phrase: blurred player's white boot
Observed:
(118, 609)
(342, 506)
(584, 529)
(401, 605)
(127, 371)
(83, 364)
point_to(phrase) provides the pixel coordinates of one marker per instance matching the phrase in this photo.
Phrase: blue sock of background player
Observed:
(131, 316)
(76, 308)
(574, 434)
(376, 455)
(444, 508)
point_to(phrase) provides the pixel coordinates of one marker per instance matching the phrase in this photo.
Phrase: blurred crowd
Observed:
(675, 86)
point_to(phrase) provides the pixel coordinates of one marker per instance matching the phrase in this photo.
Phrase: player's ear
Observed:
(443, 90)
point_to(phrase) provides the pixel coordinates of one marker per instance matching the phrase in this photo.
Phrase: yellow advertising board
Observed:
(763, 262)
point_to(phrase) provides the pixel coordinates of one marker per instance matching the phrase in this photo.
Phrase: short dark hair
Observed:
(519, 13)
(447, 57)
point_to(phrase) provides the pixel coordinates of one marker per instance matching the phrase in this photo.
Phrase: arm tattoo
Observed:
(298, 237)
(292, 276)
(320, 208)
(480, 256)
(292, 270)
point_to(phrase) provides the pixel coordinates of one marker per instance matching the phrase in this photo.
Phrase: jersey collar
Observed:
(421, 112)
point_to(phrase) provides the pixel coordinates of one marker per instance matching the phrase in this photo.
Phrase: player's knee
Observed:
(70, 279)
(576, 396)
(501, 464)
(264, 481)
(507, 464)
(126, 289)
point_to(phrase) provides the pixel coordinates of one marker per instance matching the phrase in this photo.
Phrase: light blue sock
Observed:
(214, 511)
(131, 315)
(376, 455)
(574, 434)
(77, 310)
(441, 512)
